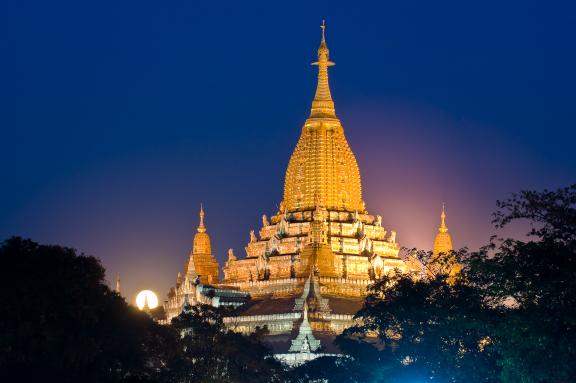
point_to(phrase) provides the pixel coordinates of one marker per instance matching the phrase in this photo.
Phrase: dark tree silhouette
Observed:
(212, 353)
(534, 281)
(427, 328)
(60, 322)
(509, 317)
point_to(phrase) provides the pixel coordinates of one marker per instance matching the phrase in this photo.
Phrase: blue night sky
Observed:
(119, 118)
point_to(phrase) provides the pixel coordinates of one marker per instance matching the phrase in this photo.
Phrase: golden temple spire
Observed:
(201, 263)
(443, 228)
(322, 105)
(322, 164)
(201, 227)
(447, 263)
(443, 241)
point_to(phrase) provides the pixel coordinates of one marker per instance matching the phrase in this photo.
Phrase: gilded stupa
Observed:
(443, 240)
(322, 248)
(322, 222)
(201, 263)
(443, 259)
(199, 283)
(307, 269)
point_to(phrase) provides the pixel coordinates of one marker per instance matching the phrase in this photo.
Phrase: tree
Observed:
(211, 353)
(343, 369)
(427, 329)
(510, 316)
(60, 321)
(534, 282)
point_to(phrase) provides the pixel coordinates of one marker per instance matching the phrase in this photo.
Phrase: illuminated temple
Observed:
(309, 264)
(307, 268)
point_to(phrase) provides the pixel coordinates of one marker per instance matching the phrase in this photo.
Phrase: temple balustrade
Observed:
(276, 323)
(337, 287)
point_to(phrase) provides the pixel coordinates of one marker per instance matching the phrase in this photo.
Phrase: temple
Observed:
(306, 269)
(322, 226)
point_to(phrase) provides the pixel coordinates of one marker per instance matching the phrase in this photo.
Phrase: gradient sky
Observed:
(118, 118)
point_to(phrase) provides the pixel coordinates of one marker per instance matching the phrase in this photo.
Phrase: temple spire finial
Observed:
(443, 228)
(201, 227)
(322, 105)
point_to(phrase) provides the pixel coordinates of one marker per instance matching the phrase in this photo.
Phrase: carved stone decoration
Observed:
(377, 266)
(292, 266)
(358, 225)
(273, 245)
(253, 236)
(366, 245)
(378, 220)
(265, 221)
(262, 267)
(392, 238)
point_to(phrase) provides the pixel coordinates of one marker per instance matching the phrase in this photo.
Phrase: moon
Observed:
(147, 296)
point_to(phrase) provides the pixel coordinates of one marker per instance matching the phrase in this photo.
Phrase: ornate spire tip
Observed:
(443, 227)
(322, 105)
(201, 227)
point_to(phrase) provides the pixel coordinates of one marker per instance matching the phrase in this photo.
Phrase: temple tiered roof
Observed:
(305, 340)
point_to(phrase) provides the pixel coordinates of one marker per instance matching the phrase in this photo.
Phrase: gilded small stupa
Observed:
(201, 263)
(443, 259)
(199, 285)
(443, 241)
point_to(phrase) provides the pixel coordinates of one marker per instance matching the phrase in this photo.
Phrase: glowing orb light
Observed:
(146, 297)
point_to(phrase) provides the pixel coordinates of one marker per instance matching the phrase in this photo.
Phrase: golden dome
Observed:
(322, 167)
(443, 241)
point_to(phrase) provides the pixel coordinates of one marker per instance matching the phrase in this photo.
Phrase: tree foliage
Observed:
(508, 317)
(534, 281)
(212, 353)
(60, 321)
(429, 328)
